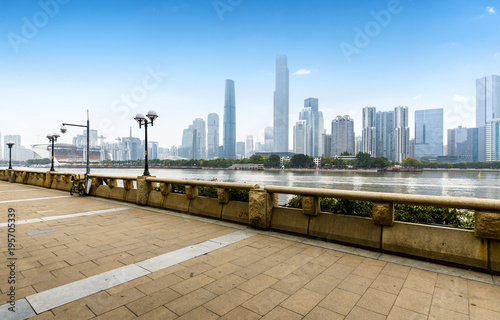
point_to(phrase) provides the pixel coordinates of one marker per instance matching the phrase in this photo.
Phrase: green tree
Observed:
(345, 153)
(272, 160)
(411, 163)
(363, 159)
(301, 161)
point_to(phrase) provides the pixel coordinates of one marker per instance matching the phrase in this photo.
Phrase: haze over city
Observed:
(116, 59)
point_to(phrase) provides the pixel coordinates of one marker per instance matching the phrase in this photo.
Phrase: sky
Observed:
(60, 58)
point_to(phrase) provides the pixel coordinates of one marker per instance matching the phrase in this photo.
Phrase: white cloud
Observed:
(302, 72)
(417, 97)
(490, 10)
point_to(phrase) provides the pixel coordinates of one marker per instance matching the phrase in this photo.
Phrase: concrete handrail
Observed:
(420, 200)
(215, 184)
(103, 176)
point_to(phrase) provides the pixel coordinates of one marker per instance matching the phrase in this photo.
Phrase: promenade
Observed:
(93, 258)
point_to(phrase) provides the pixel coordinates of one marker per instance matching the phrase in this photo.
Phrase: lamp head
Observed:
(64, 129)
(152, 115)
(10, 144)
(49, 136)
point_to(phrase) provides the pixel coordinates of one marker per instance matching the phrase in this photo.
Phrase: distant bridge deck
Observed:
(87, 257)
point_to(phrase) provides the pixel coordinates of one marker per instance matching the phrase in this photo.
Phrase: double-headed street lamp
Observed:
(10, 144)
(64, 129)
(52, 138)
(143, 121)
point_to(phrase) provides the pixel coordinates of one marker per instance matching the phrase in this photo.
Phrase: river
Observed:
(436, 183)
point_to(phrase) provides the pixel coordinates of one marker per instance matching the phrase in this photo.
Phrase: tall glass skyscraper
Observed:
(487, 109)
(343, 139)
(229, 136)
(401, 134)
(493, 140)
(300, 137)
(281, 113)
(213, 135)
(369, 134)
(385, 134)
(201, 138)
(428, 133)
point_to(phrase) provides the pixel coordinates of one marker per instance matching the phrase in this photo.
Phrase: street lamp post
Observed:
(152, 115)
(52, 138)
(10, 144)
(64, 129)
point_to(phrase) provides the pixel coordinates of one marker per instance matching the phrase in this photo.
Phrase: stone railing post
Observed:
(487, 224)
(310, 205)
(223, 195)
(165, 188)
(191, 191)
(260, 207)
(143, 189)
(12, 175)
(128, 184)
(48, 180)
(383, 213)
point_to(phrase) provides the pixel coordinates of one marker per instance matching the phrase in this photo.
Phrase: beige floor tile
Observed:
(396, 270)
(351, 260)
(420, 283)
(250, 271)
(368, 270)
(281, 270)
(222, 270)
(361, 313)
(451, 283)
(438, 313)
(454, 301)
(265, 301)
(327, 258)
(120, 313)
(225, 284)
(160, 313)
(484, 295)
(290, 284)
(280, 313)
(303, 301)
(152, 301)
(414, 300)
(339, 271)
(377, 301)
(322, 284)
(192, 284)
(241, 313)
(356, 284)
(477, 313)
(257, 284)
(159, 283)
(319, 313)
(190, 301)
(388, 284)
(105, 304)
(227, 301)
(199, 313)
(309, 270)
(340, 301)
(398, 313)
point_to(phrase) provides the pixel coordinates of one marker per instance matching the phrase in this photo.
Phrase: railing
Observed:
(478, 248)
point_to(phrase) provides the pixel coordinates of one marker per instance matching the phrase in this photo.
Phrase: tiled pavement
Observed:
(266, 275)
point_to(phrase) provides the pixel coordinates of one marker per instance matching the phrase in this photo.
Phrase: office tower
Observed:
(16, 148)
(463, 144)
(268, 138)
(343, 135)
(487, 108)
(229, 125)
(385, 134)
(213, 135)
(188, 147)
(327, 145)
(249, 147)
(306, 115)
(401, 133)
(358, 144)
(300, 137)
(281, 95)
(369, 134)
(493, 140)
(411, 148)
(201, 138)
(317, 125)
(240, 149)
(428, 133)
(153, 150)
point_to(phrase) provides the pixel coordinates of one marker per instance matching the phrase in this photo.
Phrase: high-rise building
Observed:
(240, 150)
(327, 145)
(201, 138)
(249, 147)
(343, 135)
(188, 147)
(385, 134)
(213, 135)
(153, 150)
(268, 139)
(493, 140)
(229, 125)
(463, 144)
(16, 148)
(281, 114)
(317, 126)
(428, 133)
(369, 134)
(307, 116)
(487, 108)
(300, 137)
(401, 134)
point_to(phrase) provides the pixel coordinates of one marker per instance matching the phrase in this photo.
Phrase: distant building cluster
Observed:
(384, 133)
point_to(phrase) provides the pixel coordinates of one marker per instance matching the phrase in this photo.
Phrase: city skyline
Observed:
(135, 57)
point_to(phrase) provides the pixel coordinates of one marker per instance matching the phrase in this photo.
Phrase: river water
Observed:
(437, 183)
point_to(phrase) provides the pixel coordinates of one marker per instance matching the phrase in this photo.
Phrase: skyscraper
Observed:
(229, 136)
(240, 149)
(493, 140)
(213, 135)
(428, 133)
(300, 137)
(462, 143)
(281, 95)
(16, 149)
(487, 108)
(343, 135)
(385, 134)
(401, 134)
(249, 147)
(201, 138)
(307, 116)
(268, 139)
(369, 134)
(317, 126)
(189, 147)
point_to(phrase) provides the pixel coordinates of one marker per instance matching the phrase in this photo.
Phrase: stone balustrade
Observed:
(478, 248)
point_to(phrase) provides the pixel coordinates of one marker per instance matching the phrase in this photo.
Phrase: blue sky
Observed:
(117, 58)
